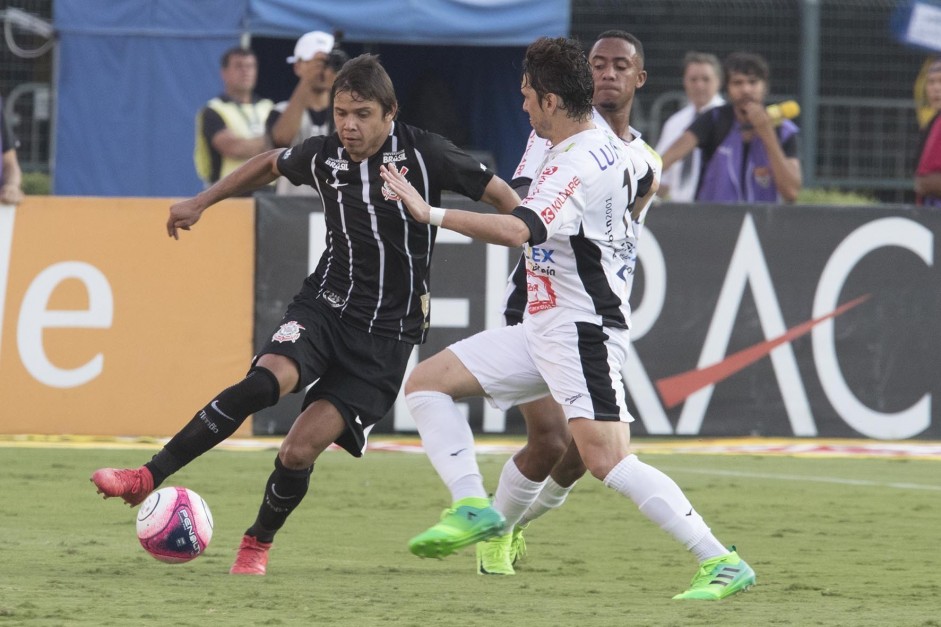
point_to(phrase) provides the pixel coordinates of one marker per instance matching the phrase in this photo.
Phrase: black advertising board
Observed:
(748, 320)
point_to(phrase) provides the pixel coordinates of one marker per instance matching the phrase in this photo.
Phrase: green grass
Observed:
(826, 553)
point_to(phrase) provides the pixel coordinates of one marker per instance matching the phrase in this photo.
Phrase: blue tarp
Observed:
(441, 22)
(132, 74)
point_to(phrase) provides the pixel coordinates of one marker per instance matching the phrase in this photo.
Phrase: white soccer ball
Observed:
(174, 525)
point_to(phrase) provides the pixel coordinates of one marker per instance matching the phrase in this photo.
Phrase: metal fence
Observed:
(859, 132)
(863, 134)
(26, 61)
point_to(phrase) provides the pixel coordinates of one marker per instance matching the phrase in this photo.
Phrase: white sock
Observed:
(448, 442)
(663, 502)
(515, 493)
(550, 497)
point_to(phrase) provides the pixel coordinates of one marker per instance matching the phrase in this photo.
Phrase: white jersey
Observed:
(580, 266)
(515, 299)
(537, 147)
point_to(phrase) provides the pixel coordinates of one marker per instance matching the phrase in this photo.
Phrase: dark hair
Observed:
(558, 66)
(705, 58)
(237, 51)
(629, 38)
(747, 63)
(366, 79)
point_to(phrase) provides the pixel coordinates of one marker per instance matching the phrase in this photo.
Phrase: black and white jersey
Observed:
(375, 270)
(580, 260)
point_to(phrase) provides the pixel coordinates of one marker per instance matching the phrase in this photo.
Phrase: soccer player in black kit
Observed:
(352, 326)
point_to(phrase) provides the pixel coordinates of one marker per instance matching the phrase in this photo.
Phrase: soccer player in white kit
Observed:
(579, 232)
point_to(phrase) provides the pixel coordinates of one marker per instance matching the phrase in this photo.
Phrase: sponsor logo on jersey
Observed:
(393, 157)
(541, 261)
(333, 299)
(549, 213)
(387, 192)
(289, 332)
(540, 295)
(337, 164)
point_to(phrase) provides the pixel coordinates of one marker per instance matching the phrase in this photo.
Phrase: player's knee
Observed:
(421, 379)
(296, 455)
(568, 471)
(549, 443)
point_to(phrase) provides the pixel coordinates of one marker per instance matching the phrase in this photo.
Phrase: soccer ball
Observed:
(174, 525)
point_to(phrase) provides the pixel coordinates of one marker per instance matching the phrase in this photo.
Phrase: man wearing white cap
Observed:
(308, 112)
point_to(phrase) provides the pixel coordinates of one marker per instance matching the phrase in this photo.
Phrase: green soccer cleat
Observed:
(467, 522)
(720, 577)
(518, 544)
(493, 556)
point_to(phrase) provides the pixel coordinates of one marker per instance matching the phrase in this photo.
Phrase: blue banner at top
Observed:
(433, 22)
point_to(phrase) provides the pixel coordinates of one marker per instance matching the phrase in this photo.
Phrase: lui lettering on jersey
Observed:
(609, 154)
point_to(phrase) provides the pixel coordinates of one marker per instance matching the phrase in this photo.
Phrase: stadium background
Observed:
(866, 134)
(863, 141)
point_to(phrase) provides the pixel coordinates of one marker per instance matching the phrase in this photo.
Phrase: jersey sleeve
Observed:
(553, 202)
(212, 124)
(273, 116)
(297, 163)
(791, 146)
(703, 127)
(533, 156)
(454, 169)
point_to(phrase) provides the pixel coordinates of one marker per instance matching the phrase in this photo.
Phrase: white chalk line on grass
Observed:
(806, 478)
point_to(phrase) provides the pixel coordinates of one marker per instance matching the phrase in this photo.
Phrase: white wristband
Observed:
(436, 216)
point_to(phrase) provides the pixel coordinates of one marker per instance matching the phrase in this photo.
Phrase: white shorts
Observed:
(579, 363)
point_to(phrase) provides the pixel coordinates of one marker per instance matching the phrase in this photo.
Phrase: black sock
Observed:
(215, 422)
(283, 493)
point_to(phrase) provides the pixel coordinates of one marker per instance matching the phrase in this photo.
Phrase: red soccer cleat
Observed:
(131, 484)
(252, 558)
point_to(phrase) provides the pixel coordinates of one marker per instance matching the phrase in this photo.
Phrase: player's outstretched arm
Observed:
(254, 173)
(506, 230)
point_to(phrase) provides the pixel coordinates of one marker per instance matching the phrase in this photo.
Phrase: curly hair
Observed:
(558, 66)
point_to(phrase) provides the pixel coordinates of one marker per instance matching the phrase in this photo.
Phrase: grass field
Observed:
(833, 542)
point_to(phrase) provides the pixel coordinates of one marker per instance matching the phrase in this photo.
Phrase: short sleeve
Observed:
(703, 127)
(791, 146)
(454, 169)
(297, 163)
(212, 124)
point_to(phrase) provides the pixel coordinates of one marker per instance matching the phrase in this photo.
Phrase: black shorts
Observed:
(358, 372)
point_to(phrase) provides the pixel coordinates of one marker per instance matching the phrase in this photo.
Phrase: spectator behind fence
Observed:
(928, 174)
(702, 76)
(230, 129)
(309, 111)
(11, 177)
(748, 156)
